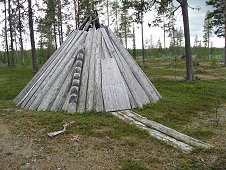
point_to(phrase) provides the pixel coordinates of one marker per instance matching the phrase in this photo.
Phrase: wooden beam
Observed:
(168, 131)
(41, 71)
(133, 86)
(56, 70)
(31, 94)
(91, 78)
(159, 135)
(138, 73)
(85, 74)
(98, 96)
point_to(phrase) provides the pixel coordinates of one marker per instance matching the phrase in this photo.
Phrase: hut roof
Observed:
(90, 71)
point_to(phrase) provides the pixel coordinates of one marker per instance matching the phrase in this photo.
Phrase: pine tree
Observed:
(207, 33)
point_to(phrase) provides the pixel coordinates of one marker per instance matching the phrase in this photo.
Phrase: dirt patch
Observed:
(20, 151)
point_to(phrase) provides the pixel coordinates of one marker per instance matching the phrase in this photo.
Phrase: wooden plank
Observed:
(84, 77)
(64, 90)
(114, 91)
(90, 83)
(31, 95)
(56, 71)
(84, 23)
(161, 136)
(98, 96)
(138, 73)
(135, 91)
(105, 51)
(168, 131)
(49, 98)
(41, 71)
(87, 25)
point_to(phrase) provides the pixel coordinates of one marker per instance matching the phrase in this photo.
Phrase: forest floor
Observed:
(102, 141)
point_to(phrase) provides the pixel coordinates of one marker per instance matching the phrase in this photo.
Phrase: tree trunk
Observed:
(78, 13)
(6, 37)
(20, 32)
(54, 31)
(108, 12)
(125, 34)
(188, 54)
(142, 38)
(75, 7)
(224, 32)
(60, 27)
(11, 33)
(32, 39)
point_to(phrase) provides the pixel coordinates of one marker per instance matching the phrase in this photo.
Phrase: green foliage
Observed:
(214, 62)
(181, 101)
(13, 80)
(217, 20)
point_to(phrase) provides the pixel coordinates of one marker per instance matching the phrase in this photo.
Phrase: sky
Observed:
(196, 20)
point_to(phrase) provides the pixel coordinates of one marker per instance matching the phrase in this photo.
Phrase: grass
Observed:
(13, 80)
(185, 106)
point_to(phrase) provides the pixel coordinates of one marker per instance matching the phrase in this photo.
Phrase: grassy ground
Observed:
(101, 141)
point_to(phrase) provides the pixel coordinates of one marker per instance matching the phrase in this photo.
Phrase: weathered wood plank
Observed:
(55, 72)
(31, 95)
(87, 25)
(84, 77)
(168, 131)
(71, 104)
(64, 90)
(50, 96)
(90, 88)
(105, 51)
(134, 89)
(41, 71)
(138, 73)
(159, 135)
(98, 96)
(114, 91)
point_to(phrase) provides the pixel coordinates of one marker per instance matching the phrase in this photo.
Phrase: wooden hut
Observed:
(90, 71)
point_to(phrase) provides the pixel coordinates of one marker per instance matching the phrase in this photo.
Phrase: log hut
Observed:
(91, 70)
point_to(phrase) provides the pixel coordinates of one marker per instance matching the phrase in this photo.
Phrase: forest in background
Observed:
(53, 20)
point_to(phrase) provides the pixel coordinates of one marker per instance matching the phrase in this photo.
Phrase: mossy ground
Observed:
(101, 141)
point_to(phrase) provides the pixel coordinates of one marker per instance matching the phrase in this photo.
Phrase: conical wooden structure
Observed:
(90, 71)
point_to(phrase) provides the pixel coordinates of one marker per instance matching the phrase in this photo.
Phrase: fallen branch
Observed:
(53, 134)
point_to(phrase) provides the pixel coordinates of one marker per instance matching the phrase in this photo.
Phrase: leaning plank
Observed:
(90, 87)
(168, 131)
(98, 97)
(85, 74)
(87, 25)
(161, 136)
(114, 90)
(84, 23)
(138, 73)
(42, 92)
(20, 96)
(34, 88)
(57, 84)
(134, 87)
(64, 90)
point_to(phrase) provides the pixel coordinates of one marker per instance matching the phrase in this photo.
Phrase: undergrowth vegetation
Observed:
(189, 107)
